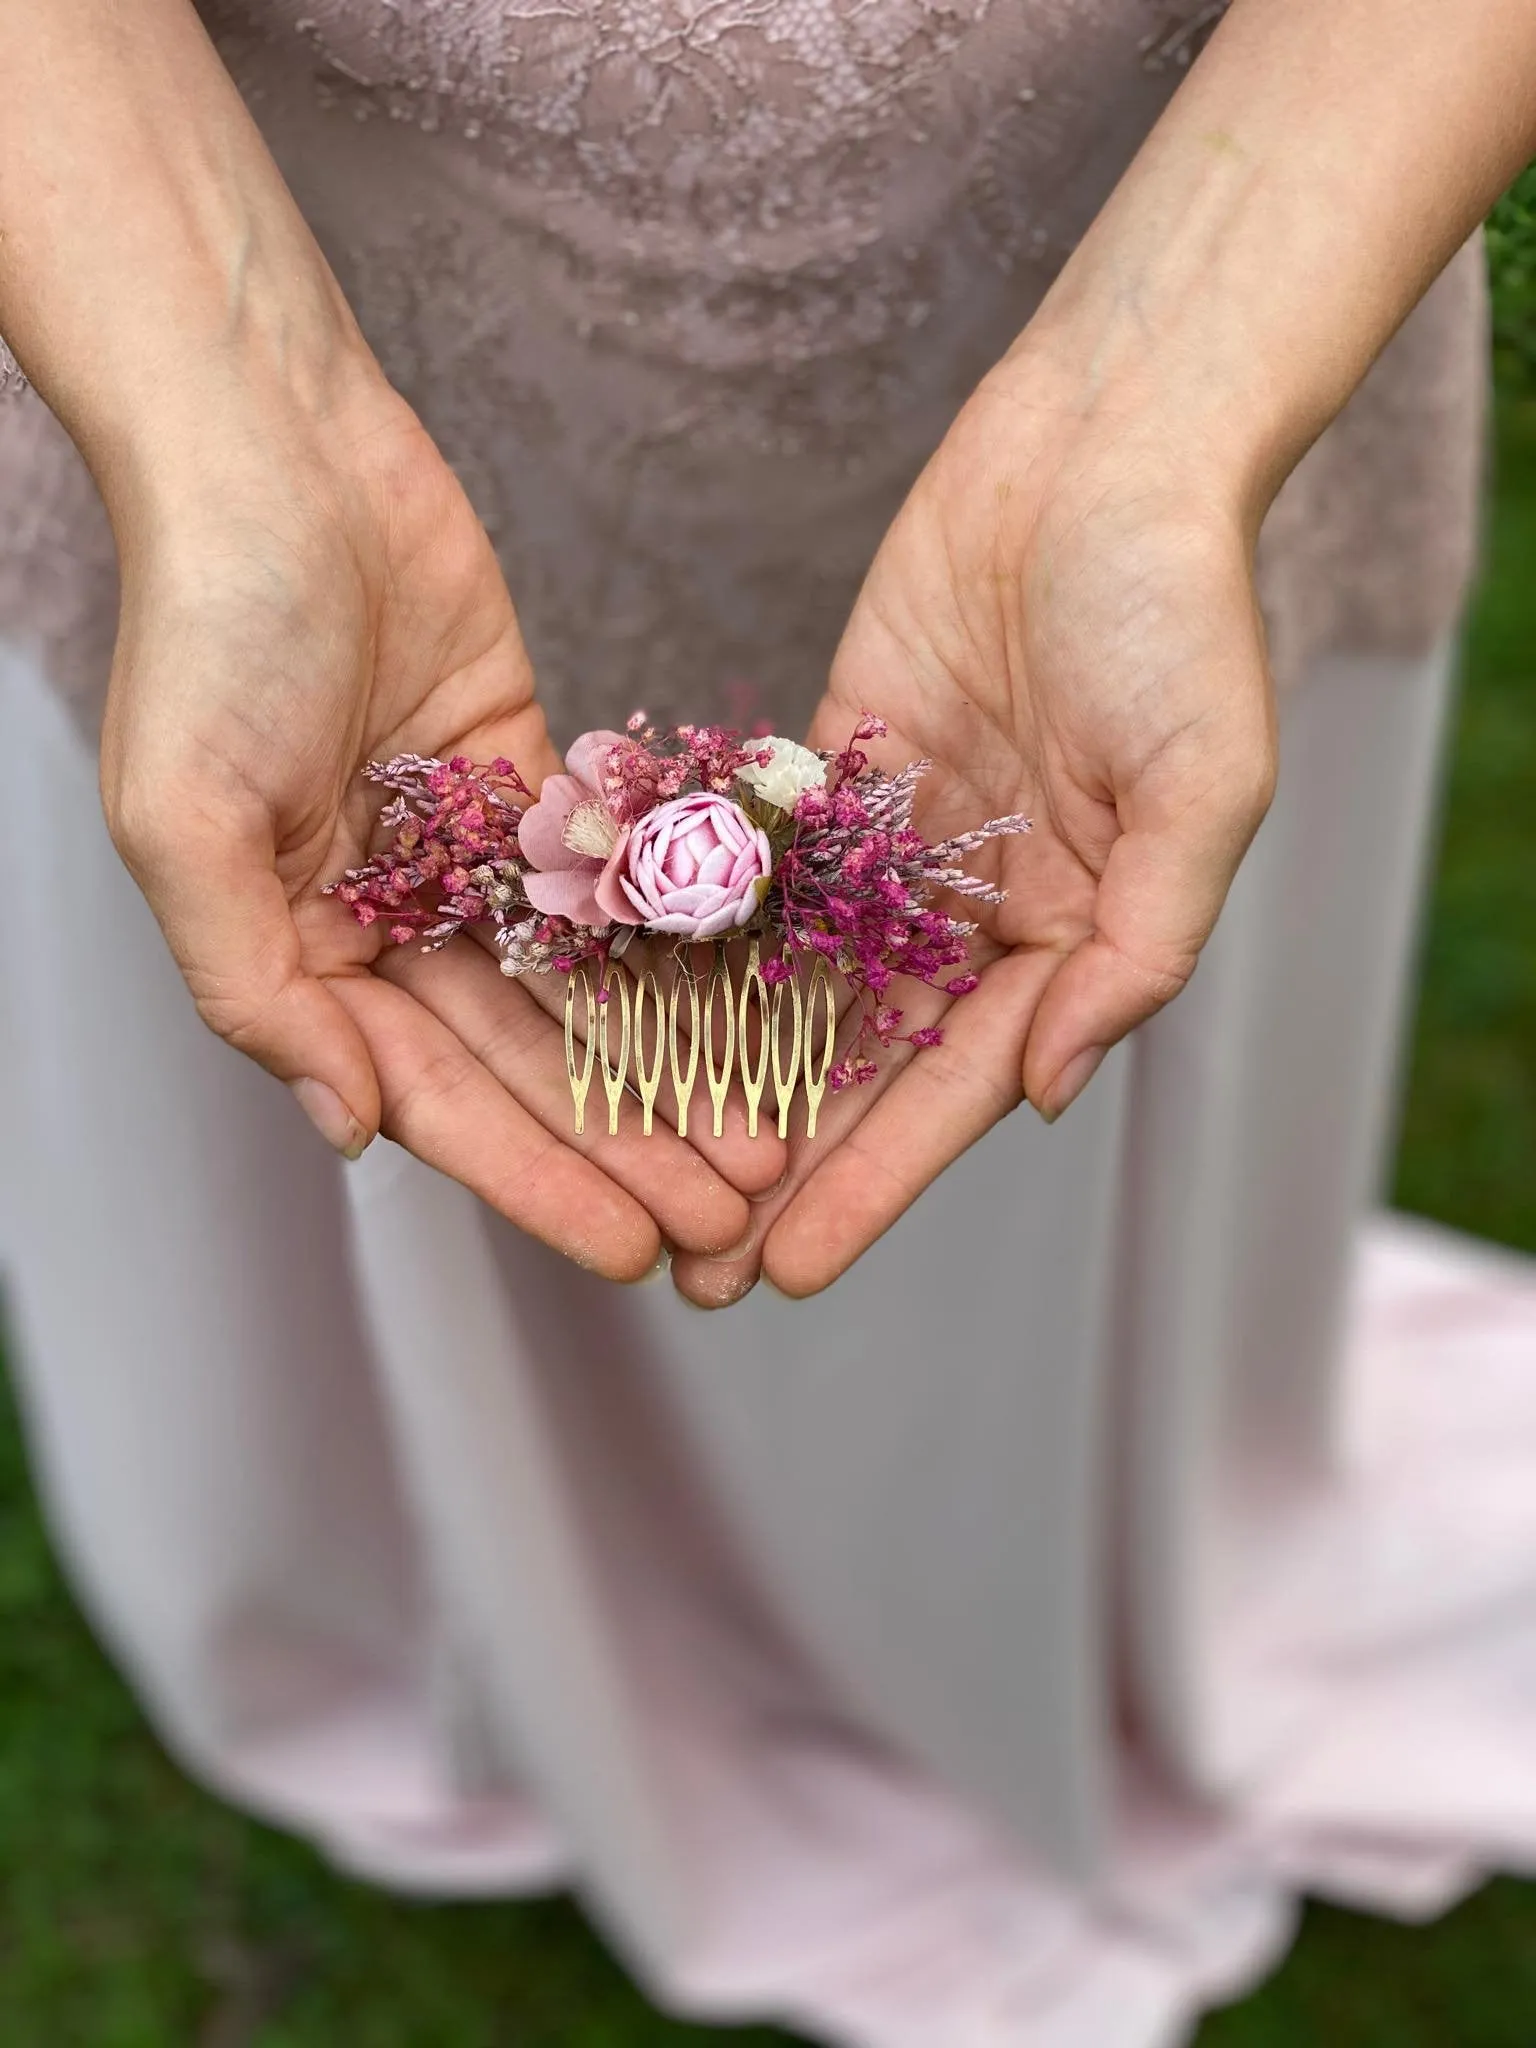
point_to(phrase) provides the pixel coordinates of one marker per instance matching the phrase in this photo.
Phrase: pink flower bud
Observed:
(694, 867)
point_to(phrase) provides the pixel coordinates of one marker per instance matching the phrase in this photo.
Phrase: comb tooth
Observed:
(683, 979)
(786, 998)
(719, 1080)
(614, 1075)
(816, 1083)
(580, 1081)
(647, 987)
(790, 1021)
(753, 985)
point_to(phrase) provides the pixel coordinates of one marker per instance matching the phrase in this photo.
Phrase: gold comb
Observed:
(628, 1031)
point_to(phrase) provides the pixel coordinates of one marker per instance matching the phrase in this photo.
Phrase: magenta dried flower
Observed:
(856, 883)
(452, 859)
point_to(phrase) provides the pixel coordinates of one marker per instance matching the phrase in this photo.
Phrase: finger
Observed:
(444, 1106)
(214, 887)
(719, 1282)
(519, 1043)
(939, 1103)
(1162, 888)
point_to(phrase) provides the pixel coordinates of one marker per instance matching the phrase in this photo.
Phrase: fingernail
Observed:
(663, 1265)
(1072, 1080)
(331, 1117)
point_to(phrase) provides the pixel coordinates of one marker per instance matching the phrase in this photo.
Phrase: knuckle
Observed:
(244, 1004)
(242, 1018)
(1158, 976)
(227, 1018)
(511, 1038)
(139, 821)
(436, 1080)
(162, 817)
(1253, 786)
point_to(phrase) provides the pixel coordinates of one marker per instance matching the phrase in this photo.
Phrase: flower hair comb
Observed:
(688, 837)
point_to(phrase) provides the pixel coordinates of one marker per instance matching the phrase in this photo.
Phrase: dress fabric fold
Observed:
(986, 1653)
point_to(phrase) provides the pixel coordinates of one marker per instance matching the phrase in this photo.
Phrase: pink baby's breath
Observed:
(452, 858)
(856, 883)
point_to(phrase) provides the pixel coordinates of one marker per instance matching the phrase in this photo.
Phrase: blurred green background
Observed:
(136, 1912)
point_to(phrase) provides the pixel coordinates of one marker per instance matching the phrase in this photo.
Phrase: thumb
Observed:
(227, 919)
(1185, 829)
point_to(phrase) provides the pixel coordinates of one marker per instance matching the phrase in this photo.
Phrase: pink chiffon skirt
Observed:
(983, 1655)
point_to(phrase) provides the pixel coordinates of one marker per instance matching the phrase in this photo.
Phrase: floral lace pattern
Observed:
(688, 290)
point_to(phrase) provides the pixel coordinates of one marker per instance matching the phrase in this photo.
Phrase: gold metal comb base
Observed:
(633, 1033)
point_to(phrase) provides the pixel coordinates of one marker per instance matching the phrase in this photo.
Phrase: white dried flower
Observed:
(780, 780)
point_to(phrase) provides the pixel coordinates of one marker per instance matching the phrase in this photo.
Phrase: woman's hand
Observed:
(305, 589)
(304, 586)
(1062, 622)
(1062, 617)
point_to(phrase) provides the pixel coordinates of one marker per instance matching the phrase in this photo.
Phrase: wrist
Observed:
(1297, 197)
(1149, 338)
(1190, 431)
(156, 277)
(255, 358)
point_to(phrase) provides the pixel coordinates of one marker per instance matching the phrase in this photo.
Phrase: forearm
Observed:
(153, 267)
(1319, 166)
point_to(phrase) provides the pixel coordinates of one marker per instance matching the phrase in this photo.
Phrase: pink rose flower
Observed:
(572, 841)
(693, 867)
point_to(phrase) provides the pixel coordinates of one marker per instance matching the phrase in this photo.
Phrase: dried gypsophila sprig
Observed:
(692, 834)
(856, 885)
(453, 833)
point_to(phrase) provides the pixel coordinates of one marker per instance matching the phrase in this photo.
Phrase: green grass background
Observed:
(136, 1912)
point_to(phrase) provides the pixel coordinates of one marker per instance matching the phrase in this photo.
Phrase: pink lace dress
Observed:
(688, 293)
(982, 1655)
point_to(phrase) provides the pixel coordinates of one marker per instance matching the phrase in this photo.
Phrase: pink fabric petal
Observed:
(716, 867)
(640, 868)
(642, 911)
(585, 756)
(539, 833)
(658, 843)
(749, 865)
(691, 902)
(707, 835)
(566, 893)
(610, 886)
(688, 926)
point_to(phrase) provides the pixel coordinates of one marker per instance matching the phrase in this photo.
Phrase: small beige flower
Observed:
(782, 779)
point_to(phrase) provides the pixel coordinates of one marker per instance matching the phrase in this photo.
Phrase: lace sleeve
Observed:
(11, 378)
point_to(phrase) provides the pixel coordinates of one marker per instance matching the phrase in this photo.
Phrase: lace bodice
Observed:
(687, 291)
